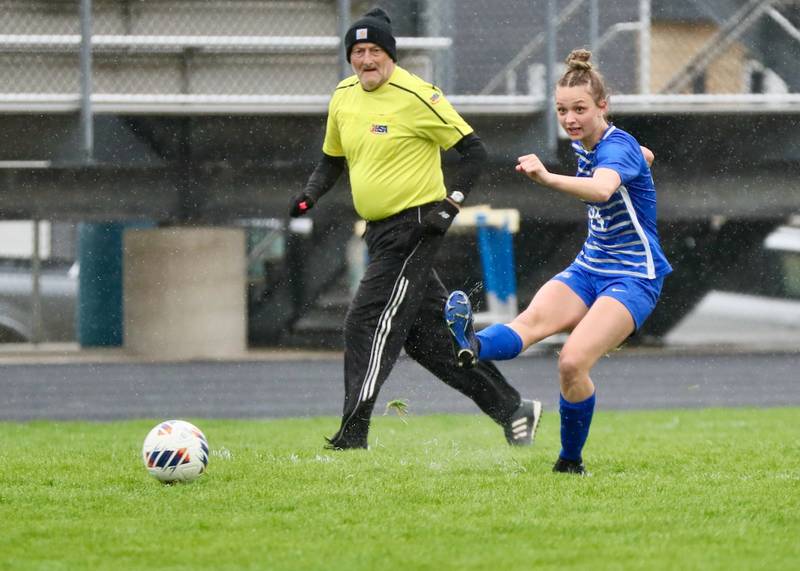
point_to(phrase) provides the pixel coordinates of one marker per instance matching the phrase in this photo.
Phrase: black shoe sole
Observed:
(340, 447)
(333, 444)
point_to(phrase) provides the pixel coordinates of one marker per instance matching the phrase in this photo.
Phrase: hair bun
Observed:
(579, 60)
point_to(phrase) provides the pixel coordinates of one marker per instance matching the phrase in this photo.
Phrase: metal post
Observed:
(447, 14)
(36, 291)
(644, 47)
(344, 24)
(550, 79)
(437, 16)
(594, 25)
(100, 315)
(87, 123)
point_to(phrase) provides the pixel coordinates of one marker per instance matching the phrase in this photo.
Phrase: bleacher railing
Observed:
(250, 56)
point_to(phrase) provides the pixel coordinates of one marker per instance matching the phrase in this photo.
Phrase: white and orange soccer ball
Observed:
(175, 451)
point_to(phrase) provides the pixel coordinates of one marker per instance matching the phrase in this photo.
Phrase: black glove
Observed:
(300, 204)
(439, 219)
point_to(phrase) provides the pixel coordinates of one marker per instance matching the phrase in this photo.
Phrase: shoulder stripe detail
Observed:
(426, 105)
(347, 86)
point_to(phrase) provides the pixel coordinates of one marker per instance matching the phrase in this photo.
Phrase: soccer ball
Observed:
(175, 451)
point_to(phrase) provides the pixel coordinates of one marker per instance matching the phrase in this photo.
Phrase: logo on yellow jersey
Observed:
(379, 129)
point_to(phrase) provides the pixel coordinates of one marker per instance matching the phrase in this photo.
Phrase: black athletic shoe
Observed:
(569, 466)
(458, 315)
(521, 427)
(340, 444)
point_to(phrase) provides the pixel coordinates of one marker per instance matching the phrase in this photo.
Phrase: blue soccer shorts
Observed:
(638, 295)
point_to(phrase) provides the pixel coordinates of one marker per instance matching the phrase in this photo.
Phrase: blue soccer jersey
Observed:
(623, 237)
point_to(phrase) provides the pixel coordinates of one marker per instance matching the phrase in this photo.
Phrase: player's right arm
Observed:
(328, 169)
(597, 188)
(325, 175)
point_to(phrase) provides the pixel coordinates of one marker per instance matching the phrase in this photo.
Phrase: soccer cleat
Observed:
(569, 466)
(458, 315)
(521, 427)
(335, 443)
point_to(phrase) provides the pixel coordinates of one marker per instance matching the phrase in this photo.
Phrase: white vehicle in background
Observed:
(26, 316)
(58, 293)
(53, 319)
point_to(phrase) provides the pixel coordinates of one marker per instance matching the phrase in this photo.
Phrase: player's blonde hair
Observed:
(580, 71)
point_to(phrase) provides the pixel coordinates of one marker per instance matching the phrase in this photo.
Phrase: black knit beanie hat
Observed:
(374, 27)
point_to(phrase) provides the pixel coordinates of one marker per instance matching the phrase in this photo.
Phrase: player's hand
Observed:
(300, 204)
(532, 167)
(439, 219)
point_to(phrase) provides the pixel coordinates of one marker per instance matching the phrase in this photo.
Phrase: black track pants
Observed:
(400, 303)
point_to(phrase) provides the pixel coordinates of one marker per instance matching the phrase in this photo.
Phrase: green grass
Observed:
(709, 489)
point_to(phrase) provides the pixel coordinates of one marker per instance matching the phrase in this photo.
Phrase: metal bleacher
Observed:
(181, 56)
(283, 56)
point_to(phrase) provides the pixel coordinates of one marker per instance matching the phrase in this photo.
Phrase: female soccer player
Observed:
(606, 294)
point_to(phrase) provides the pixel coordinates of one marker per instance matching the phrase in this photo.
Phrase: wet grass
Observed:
(704, 489)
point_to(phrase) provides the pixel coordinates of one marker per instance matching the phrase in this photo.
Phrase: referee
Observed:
(388, 126)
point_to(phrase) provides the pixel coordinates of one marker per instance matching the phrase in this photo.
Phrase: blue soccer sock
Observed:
(576, 417)
(498, 342)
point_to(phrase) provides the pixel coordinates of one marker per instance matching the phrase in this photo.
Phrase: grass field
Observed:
(709, 489)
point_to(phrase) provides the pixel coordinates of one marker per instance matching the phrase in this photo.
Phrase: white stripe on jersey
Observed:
(651, 267)
(596, 233)
(625, 233)
(617, 213)
(613, 272)
(610, 228)
(616, 261)
(615, 202)
(630, 252)
(614, 246)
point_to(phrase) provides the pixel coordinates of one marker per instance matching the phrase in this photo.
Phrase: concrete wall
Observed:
(184, 292)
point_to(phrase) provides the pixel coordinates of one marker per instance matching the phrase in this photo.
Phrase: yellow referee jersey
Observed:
(391, 138)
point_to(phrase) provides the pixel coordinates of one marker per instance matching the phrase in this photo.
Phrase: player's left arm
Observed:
(473, 159)
(438, 121)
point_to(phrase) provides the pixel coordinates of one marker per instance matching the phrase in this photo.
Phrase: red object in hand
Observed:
(300, 204)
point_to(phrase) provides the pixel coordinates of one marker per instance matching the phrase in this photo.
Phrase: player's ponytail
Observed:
(580, 71)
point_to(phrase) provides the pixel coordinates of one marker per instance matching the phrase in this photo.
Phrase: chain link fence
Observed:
(183, 47)
(643, 47)
(262, 48)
